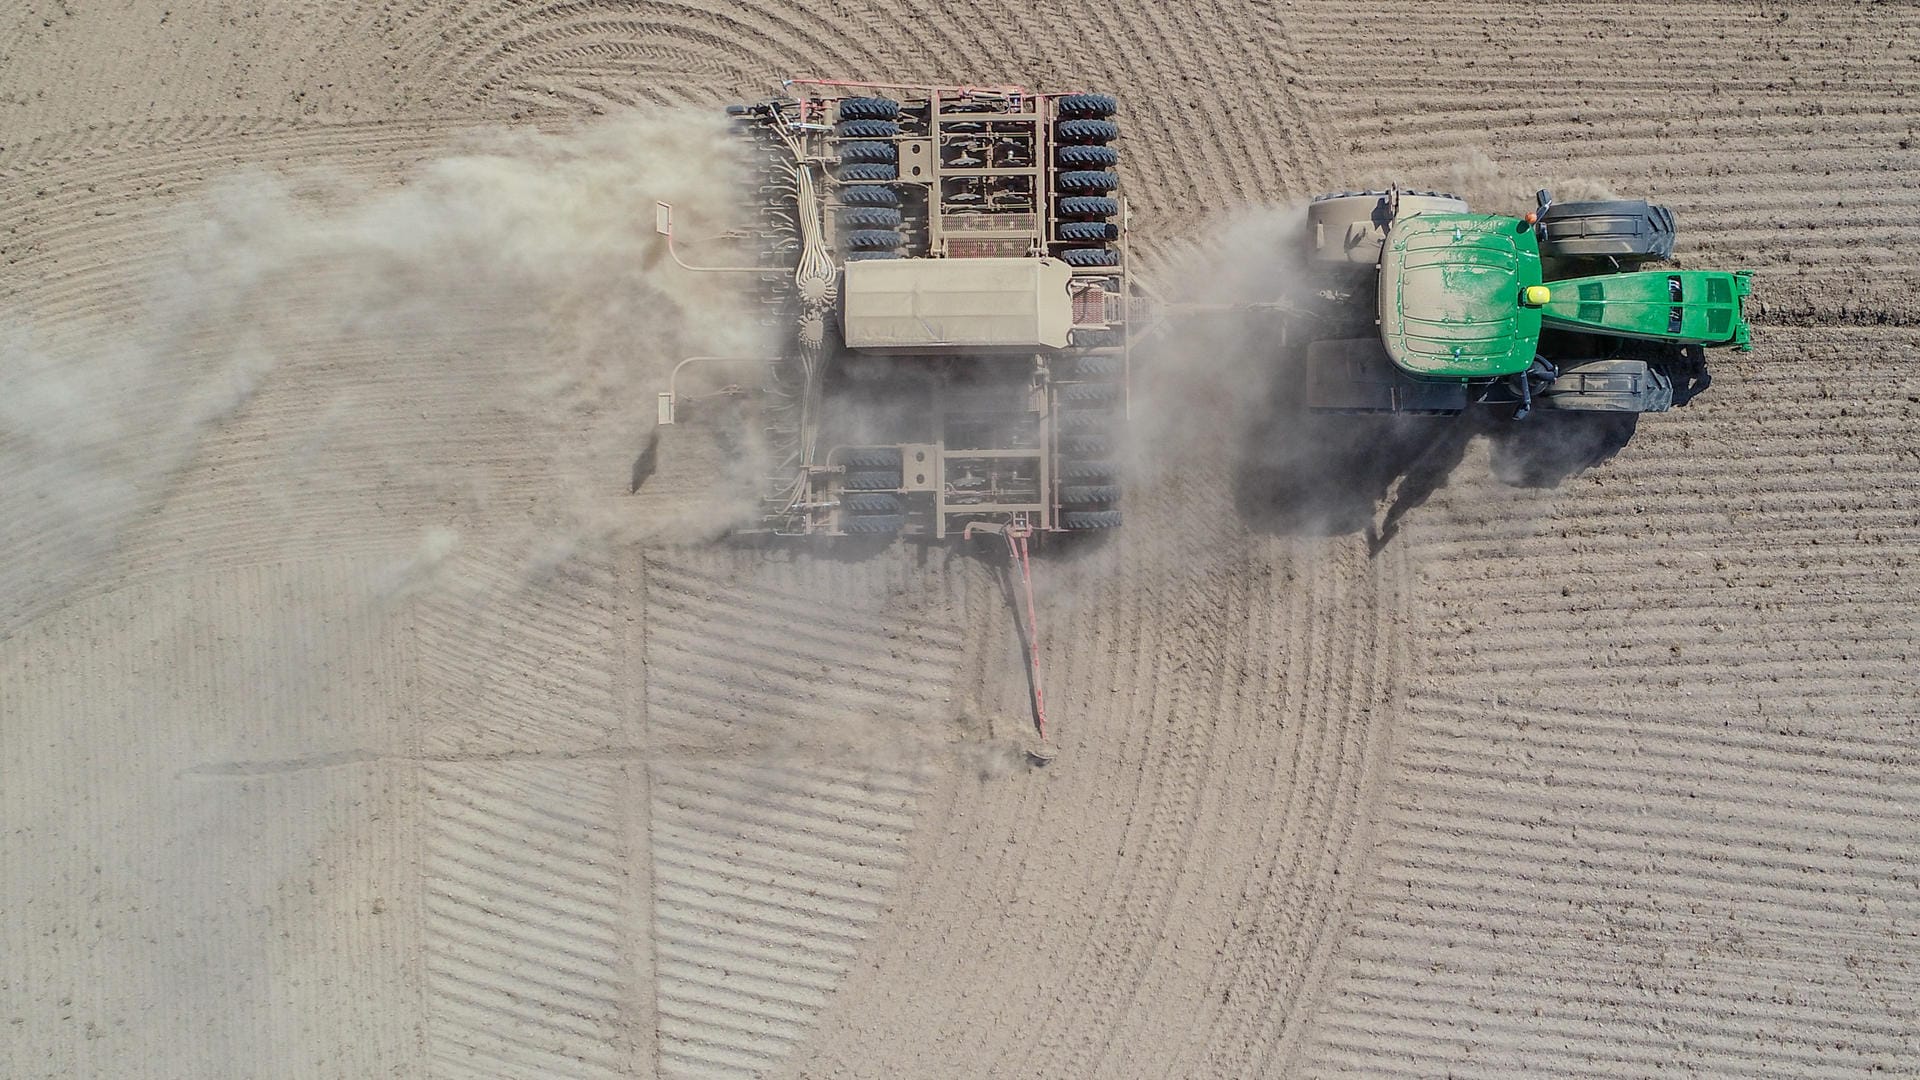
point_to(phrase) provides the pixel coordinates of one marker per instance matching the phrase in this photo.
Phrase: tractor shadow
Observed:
(1302, 473)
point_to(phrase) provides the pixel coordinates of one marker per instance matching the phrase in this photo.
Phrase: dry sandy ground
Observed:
(355, 721)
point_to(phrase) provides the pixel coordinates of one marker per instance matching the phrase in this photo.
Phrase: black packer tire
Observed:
(1089, 393)
(1090, 494)
(869, 256)
(1090, 519)
(1092, 471)
(864, 170)
(869, 108)
(1084, 419)
(1087, 157)
(868, 153)
(872, 524)
(872, 481)
(870, 503)
(1088, 181)
(869, 195)
(867, 129)
(1088, 106)
(874, 239)
(870, 217)
(1086, 443)
(1090, 257)
(1089, 231)
(1088, 206)
(1093, 367)
(873, 457)
(1086, 131)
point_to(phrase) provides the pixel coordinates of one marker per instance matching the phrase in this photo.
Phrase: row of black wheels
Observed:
(1084, 179)
(869, 499)
(1087, 409)
(869, 222)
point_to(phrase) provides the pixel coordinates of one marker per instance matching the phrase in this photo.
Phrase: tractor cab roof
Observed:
(1451, 295)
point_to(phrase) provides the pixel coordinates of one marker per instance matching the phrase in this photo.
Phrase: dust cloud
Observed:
(506, 301)
(1489, 189)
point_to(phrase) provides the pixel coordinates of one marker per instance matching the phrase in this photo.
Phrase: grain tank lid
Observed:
(921, 304)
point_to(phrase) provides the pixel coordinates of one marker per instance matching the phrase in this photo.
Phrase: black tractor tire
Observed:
(1091, 471)
(1089, 393)
(869, 195)
(1088, 181)
(873, 480)
(865, 170)
(1090, 519)
(1090, 257)
(872, 524)
(1628, 230)
(1087, 131)
(868, 129)
(869, 256)
(869, 108)
(1090, 494)
(1088, 106)
(1089, 231)
(1088, 206)
(874, 239)
(1083, 419)
(868, 152)
(873, 457)
(870, 217)
(1093, 367)
(867, 502)
(1089, 444)
(1087, 157)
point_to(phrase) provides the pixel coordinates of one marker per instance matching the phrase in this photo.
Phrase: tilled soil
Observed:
(356, 719)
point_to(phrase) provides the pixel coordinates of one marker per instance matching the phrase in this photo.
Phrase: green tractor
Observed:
(1425, 307)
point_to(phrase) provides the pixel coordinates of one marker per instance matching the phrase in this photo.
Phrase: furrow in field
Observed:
(767, 880)
(528, 967)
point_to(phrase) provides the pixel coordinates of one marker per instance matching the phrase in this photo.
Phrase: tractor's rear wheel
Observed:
(1624, 230)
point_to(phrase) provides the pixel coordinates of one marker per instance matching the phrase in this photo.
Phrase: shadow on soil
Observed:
(1313, 474)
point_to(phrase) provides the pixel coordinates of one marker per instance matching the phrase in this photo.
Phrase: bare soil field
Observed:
(357, 718)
